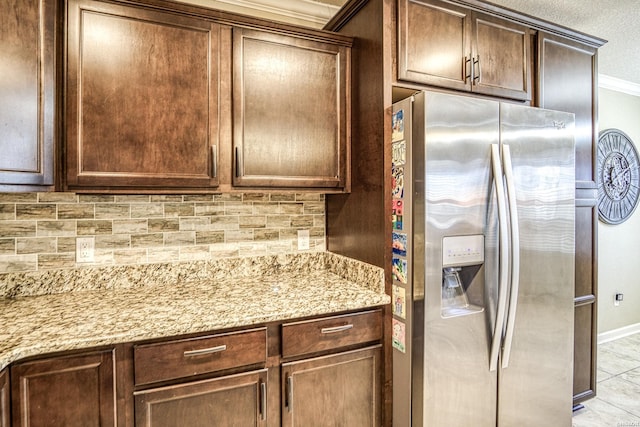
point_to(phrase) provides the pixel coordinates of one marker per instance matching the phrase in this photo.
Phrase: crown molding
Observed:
(619, 85)
(314, 13)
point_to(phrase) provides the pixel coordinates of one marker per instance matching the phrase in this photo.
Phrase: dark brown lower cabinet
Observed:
(4, 398)
(234, 400)
(337, 390)
(77, 390)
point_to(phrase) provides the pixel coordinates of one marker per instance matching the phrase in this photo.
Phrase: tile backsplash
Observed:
(38, 231)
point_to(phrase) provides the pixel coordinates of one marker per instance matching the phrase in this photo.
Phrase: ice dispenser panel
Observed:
(462, 286)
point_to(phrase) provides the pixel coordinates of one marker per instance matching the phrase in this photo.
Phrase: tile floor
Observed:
(618, 391)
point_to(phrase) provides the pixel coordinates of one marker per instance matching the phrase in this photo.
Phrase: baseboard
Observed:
(618, 333)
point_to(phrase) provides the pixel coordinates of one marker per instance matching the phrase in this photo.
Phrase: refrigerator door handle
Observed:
(515, 256)
(503, 244)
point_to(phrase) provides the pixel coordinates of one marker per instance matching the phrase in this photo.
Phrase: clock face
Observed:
(618, 176)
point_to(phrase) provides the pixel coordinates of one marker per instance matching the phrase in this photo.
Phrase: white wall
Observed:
(619, 245)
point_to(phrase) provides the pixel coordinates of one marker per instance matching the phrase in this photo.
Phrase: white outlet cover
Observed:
(85, 249)
(303, 240)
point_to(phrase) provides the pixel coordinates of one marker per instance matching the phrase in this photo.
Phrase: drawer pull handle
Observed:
(335, 329)
(203, 351)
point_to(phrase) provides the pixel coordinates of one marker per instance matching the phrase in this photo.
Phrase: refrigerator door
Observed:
(535, 382)
(454, 199)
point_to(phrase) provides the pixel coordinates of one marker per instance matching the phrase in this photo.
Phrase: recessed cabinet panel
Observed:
(290, 110)
(501, 60)
(568, 71)
(434, 44)
(142, 98)
(341, 390)
(27, 92)
(235, 400)
(65, 391)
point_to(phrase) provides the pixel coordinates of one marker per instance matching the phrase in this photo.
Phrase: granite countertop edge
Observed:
(171, 300)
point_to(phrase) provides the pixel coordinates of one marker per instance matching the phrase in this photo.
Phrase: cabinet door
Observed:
(568, 82)
(65, 391)
(27, 91)
(338, 390)
(501, 59)
(236, 400)
(291, 103)
(142, 98)
(434, 46)
(4, 398)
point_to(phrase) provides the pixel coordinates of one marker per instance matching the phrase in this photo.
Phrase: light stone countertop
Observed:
(39, 315)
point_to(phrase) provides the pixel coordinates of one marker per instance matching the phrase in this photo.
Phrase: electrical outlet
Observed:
(618, 298)
(84, 249)
(303, 240)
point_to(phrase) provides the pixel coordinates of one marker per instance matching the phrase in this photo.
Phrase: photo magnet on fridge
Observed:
(398, 153)
(399, 301)
(397, 126)
(398, 335)
(397, 182)
(399, 270)
(399, 244)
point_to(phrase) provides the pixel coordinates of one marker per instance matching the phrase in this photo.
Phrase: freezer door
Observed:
(535, 388)
(453, 199)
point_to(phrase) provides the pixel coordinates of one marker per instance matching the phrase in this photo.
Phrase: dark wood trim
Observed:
(531, 21)
(236, 19)
(5, 402)
(346, 12)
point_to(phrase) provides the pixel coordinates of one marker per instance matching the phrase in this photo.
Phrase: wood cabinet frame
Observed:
(31, 97)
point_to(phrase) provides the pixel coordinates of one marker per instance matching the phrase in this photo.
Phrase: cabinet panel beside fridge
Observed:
(483, 263)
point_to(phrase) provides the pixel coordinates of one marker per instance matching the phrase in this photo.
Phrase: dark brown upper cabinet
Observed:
(447, 45)
(27, 93)
(142, 98)
(291, 108)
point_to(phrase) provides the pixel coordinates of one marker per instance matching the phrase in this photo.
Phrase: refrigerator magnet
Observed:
(399, 270)
(398, 153)
(397, 182)
(397, 126)
(399, 302)
(399, 244)
(398, 335)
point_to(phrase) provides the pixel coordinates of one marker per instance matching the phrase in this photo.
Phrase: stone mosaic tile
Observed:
(35, 211)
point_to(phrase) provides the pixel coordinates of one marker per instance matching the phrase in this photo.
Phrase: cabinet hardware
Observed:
(476, 71)
(289, 393)
(203, 351)
(468, 68)
(263, 401)
(335, 329)
(239, 173)
(214, 161)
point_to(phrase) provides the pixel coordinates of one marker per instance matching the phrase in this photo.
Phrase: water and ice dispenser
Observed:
(462, 285)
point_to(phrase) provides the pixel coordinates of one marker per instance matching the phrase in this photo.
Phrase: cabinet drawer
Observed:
(330, 333)
(181, 358)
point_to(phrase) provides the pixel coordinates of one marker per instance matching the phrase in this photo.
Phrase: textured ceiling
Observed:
(613, 20)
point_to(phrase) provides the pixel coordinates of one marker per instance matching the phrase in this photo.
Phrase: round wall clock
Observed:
(618, 171)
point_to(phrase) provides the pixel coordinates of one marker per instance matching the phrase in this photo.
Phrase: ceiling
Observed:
(612, 20)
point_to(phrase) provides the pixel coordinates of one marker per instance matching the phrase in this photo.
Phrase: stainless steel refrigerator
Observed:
(483, 263)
